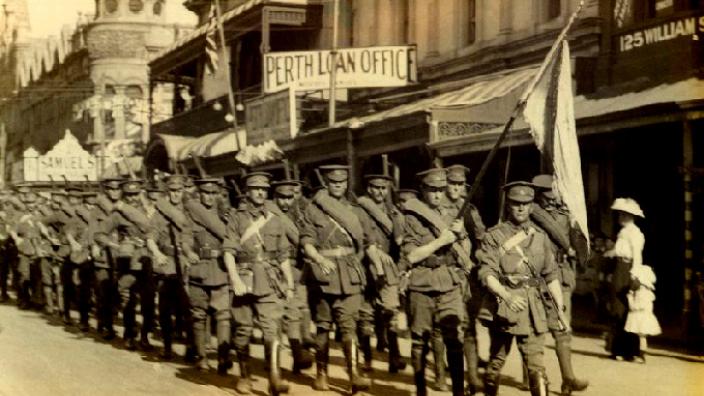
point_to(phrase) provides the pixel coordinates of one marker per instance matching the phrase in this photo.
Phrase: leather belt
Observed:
(210, 254)
(340, 251)
(254, 258)
(434, 261)
(171, 251)
(518, 282)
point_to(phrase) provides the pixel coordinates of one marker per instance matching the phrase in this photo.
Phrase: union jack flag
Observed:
(211, 43)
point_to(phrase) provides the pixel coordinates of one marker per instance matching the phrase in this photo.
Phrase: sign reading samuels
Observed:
(67, 159)
(392, 66)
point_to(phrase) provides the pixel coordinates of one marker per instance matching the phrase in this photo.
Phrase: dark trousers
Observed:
(136, 287)
(8, 266)
(86, 277)
(174, 303)
(104, 287)
(69, 286)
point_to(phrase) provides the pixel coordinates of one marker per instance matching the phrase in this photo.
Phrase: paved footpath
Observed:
(40, 357)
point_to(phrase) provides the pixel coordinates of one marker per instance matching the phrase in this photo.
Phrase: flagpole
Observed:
(230, 93)
(517, 110)
(333, 69)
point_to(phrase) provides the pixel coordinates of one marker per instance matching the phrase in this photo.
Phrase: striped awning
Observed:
(180, 148)
(477, 91)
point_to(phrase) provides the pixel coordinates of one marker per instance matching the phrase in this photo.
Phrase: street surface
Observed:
(40, 357)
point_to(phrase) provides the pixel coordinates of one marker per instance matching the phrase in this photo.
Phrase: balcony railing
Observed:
(205, 118)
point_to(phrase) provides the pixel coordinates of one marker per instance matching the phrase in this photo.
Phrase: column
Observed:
(118, 112)
(687, 168)
(505, 17)
(96, 111)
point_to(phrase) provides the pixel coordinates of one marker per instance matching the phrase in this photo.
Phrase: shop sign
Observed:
(389, 66)
(66, 160)
(272, 117)
(663, 32)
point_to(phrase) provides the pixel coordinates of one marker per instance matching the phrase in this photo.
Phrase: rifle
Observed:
(547, 297)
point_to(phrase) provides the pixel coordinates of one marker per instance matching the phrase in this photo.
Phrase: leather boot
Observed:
(49, 298)
(439, 358)
(564, 357)
(301, 357)
(396, 362)
(307, 338)
(321, 362)
(366, 346)
(471, 356)
(276, 384)
(167, 353)
(357, 382)
(199, 339)
(244, 384)
(491, 387)
(381, 330)
(455, 360)
(418, 360)
(538, 384)
(223, 335)
(524, 385)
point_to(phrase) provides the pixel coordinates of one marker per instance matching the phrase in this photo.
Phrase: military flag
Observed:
(549, 111)
(211, 42)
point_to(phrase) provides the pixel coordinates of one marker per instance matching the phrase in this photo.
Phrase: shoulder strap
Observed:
(255, 227)
(382, 219)
(206, 219)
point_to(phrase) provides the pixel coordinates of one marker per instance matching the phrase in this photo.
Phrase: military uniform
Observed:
(382, 225)
(332, 232)
(104, 283)
(8, 250)
(257, 241)
(457, 174)
(208, 283)
(296, 312)
(31, 247)
(556, 224)
(57, 269)
(172, 233)
(435, 284)
(133, 263)
(517, 255)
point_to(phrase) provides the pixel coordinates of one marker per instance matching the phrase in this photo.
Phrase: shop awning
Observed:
(227, 16)
(180, 148)
(478, 90)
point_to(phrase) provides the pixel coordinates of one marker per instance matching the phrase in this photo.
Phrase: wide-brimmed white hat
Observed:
(628, 205)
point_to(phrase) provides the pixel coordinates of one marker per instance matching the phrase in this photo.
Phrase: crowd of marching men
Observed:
(285, 262)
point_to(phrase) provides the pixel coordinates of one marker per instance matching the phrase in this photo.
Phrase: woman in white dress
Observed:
(628, 253)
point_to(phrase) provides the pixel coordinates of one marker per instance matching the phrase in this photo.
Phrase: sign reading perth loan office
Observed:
(390, 66)
(666, 31)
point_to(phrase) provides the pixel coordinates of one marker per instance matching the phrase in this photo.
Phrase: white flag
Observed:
(549, 111)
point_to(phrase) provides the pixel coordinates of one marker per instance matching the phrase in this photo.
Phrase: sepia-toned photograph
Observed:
(351, 197)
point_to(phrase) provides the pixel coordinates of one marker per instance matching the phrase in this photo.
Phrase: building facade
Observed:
(91, 79)
(638, 111)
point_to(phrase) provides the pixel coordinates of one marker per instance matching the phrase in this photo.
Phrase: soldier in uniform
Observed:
(518, 268)
(131, 222)
(30, 245)
(432, 244)
(297, 307)
(257, 251)
(8, 249)
(555, 222)
(78, 237)
(208, 287)
(103, 257)
(456, 193)
(333, 240)
(171, 244)
(51, 266)
(382, 224)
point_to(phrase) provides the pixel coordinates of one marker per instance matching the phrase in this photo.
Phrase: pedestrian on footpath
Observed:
(628, 252)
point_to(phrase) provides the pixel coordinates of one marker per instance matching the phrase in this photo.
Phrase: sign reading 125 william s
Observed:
(393, 66)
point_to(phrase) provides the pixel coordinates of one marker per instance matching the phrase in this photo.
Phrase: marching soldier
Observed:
(171, 244)
(30, 246)
(208, 287)
(77, 235)
(51, 266)
(517, 266)
(103, 256)
(130, 221)
(6, 219)
(333, 240)
(297, 329)
(382, 224)
(555, 221)
(257, 255)
(456, 191)
(432, 244)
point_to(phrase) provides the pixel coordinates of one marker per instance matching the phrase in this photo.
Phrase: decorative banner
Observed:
(392, 66)
(66, 159)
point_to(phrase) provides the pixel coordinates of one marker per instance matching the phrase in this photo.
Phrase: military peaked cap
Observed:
(520, 191)
(336, 173)
(433, 177)
(285, 188)
(457, 173)
(257, 179)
